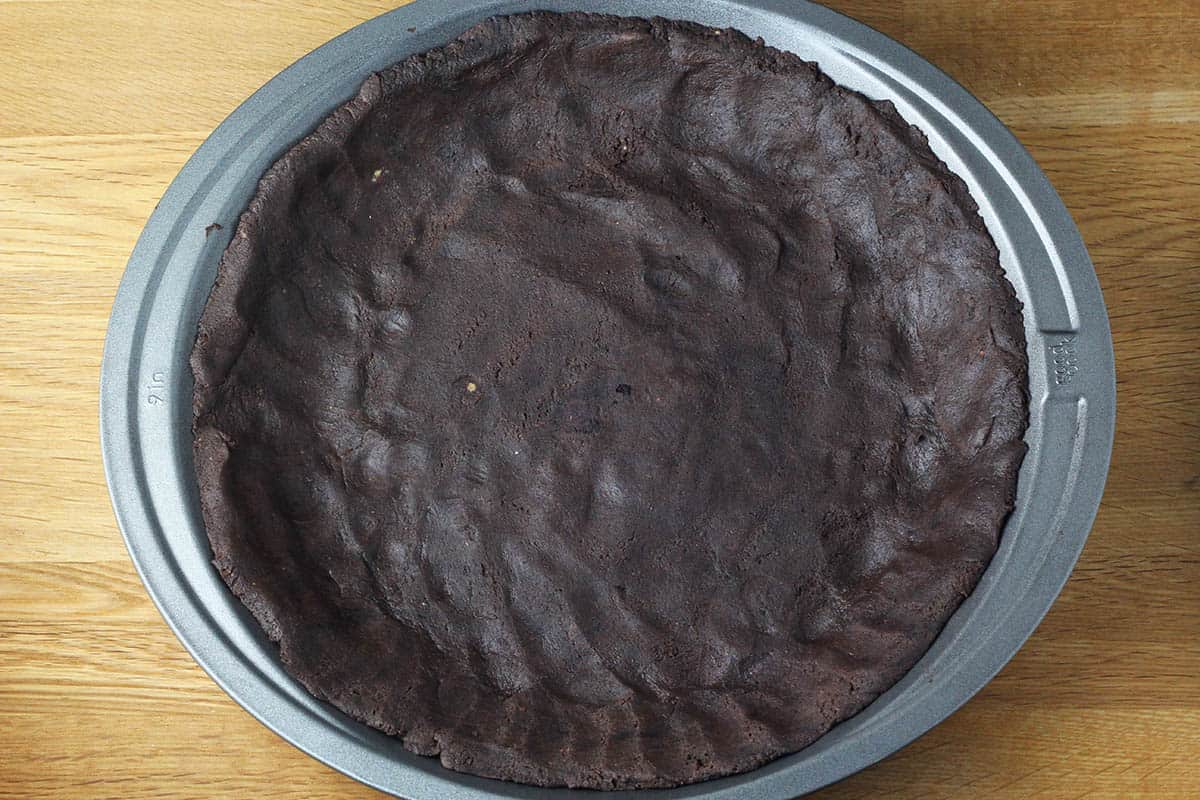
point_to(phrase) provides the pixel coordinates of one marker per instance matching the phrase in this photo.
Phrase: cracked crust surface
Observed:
(605, 402)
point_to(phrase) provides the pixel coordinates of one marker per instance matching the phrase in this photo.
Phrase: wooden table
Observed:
(101, 103)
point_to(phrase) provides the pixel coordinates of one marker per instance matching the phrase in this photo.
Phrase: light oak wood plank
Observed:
(84, 594)
(154, 66)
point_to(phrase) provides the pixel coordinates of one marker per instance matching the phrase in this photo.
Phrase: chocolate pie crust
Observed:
(607, 402)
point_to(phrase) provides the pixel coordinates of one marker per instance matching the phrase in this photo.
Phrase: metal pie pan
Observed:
(146, 386)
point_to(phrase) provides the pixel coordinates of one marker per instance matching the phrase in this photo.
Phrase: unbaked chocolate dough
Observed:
(607, 402)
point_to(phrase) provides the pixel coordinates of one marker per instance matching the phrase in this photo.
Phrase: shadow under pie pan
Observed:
(146, 391)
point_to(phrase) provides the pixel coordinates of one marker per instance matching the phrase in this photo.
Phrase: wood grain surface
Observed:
(102, 102)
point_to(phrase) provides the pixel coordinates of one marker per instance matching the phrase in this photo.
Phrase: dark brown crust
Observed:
(607, 402)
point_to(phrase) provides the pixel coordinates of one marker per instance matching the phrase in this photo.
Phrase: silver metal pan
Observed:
(146, 391)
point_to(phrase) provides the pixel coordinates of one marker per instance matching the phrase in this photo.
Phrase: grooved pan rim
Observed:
(145, 392)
